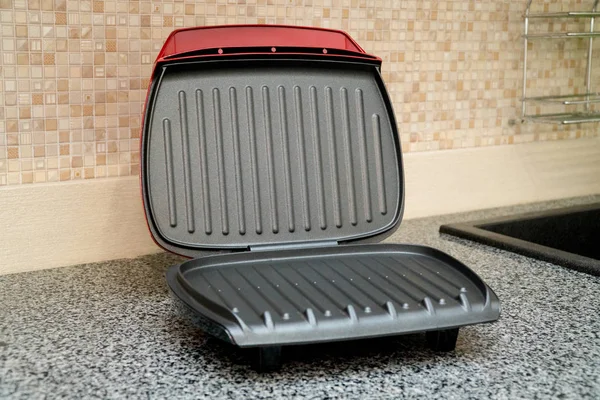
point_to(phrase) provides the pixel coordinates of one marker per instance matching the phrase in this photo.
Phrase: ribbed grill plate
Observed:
(333, 293)
(238, 157)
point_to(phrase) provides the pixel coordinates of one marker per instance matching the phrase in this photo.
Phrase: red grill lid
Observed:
(187, 40)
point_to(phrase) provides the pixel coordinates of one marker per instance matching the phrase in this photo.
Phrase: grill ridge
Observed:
(170, 175)
(222, 183)
(233, 107)
(203, 162)
(187, 169)
(302, 157)
(316, 129)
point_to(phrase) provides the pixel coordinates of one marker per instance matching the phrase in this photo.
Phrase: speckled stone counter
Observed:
(110, 330)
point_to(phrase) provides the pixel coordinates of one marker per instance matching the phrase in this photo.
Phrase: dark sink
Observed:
(568, 236)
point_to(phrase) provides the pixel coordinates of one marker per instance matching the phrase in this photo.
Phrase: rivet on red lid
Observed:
(273, 49)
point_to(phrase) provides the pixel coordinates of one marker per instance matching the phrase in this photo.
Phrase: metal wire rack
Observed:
(577, 117)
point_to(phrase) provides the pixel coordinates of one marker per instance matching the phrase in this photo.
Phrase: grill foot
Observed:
(444, 340)
(267, 359)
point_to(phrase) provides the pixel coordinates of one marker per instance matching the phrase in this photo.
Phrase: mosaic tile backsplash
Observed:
(74, 74)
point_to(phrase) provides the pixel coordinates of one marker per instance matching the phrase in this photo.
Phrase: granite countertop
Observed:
(111, 330)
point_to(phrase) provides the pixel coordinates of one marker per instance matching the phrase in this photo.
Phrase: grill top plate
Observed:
(246, 156)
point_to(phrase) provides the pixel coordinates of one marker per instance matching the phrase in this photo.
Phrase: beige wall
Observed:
(73, 74)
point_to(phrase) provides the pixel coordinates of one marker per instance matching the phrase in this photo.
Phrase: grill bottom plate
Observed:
(272, 298)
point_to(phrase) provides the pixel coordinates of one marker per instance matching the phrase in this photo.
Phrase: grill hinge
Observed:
(290, 246)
